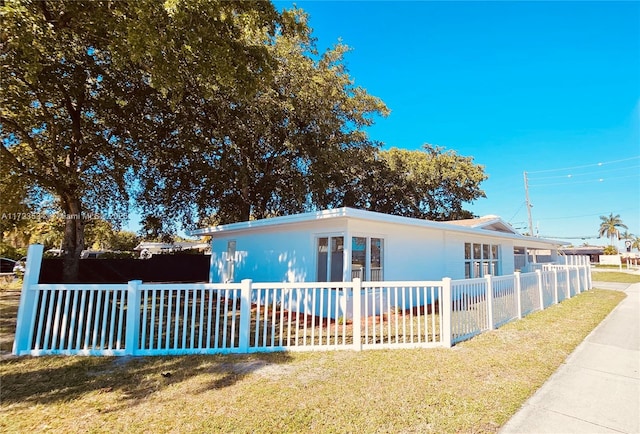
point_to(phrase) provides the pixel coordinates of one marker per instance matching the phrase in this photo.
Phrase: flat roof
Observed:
(491, 225)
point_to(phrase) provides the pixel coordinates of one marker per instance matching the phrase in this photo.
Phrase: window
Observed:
(366, 258)
(359, 258)
(330, 259)
(481, 259)
(375, 264)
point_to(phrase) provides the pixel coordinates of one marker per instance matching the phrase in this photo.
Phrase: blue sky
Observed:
(550, 88)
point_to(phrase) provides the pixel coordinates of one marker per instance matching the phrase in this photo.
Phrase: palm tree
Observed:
(610, 226)
(635, 243)
(626, 235)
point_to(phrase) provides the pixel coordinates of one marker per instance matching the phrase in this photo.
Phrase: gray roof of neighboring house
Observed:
(583, 250)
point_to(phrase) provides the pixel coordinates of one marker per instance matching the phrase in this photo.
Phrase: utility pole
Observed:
(526, 193)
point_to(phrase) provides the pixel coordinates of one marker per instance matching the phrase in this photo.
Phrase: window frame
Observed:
(368, 258)
(328, 267)
(482, 259)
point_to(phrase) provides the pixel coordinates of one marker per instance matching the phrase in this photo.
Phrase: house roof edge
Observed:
(346, 212)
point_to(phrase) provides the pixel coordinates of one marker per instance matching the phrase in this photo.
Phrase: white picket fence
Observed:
(203, 318)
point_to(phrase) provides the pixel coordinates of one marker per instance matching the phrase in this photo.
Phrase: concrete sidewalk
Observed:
(597, 389)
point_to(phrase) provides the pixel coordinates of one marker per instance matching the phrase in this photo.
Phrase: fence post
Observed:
(28, 299)
(555, 286)
(489, 279)
(245, 315)
(578, 279)
(132, 337)
(540, 288)
(356, 316)
(518, 285)
(587, 276)
(445, 308)
(568, 273)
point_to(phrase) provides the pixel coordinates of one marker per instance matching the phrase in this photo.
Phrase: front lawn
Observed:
(616, 277)
(474, 387)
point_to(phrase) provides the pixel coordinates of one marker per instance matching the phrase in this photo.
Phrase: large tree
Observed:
(430, 183)
(300, 144)
(274, 151)
(610, 226)
(89, 88)
(198, 108)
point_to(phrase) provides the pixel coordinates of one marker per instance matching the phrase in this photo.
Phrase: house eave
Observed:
(370, 216)
(270, 222)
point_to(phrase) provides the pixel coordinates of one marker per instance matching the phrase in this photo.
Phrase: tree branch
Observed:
(33, 146)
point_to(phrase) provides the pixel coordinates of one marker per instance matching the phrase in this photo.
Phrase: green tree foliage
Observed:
(88, 88)
(300, 144)
(98, 234)
(430, 183)
(26, 217)
(156, 229)
(278, 150)
(610, 227)
(124, 241)
(15, 213)
(101, 235)
(194, 108)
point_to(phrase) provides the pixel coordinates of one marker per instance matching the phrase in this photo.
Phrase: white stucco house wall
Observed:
(343, 243)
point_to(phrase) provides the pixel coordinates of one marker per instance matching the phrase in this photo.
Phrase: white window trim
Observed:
(490, 262)
(330, 235)
(367, 268)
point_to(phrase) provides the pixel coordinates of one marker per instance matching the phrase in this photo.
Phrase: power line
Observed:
(571, 175)
(586, 165)
(569, 238)
(571, 180)
(619, 211)
(585, 182)
(516, 213)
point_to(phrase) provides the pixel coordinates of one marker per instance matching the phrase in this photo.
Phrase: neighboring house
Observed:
(148, 248)
(593, 252)
(344, 243)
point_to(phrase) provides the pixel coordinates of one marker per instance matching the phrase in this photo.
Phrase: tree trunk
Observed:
(73, 242)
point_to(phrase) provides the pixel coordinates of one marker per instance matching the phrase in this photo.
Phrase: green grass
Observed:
(13, 285)
(474, 387)
(9, 300)
(616, 277)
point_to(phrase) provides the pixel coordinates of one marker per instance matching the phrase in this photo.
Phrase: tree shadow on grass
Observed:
(231, 371)
(55, 379)
(8, 311)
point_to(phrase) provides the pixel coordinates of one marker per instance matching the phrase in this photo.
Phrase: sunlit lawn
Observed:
(613, 276)
(474, 387)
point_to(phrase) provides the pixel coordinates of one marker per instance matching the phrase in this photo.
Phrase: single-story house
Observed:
(593, 252)
(345, 243)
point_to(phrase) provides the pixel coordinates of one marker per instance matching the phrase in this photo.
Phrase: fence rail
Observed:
(204, 318)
